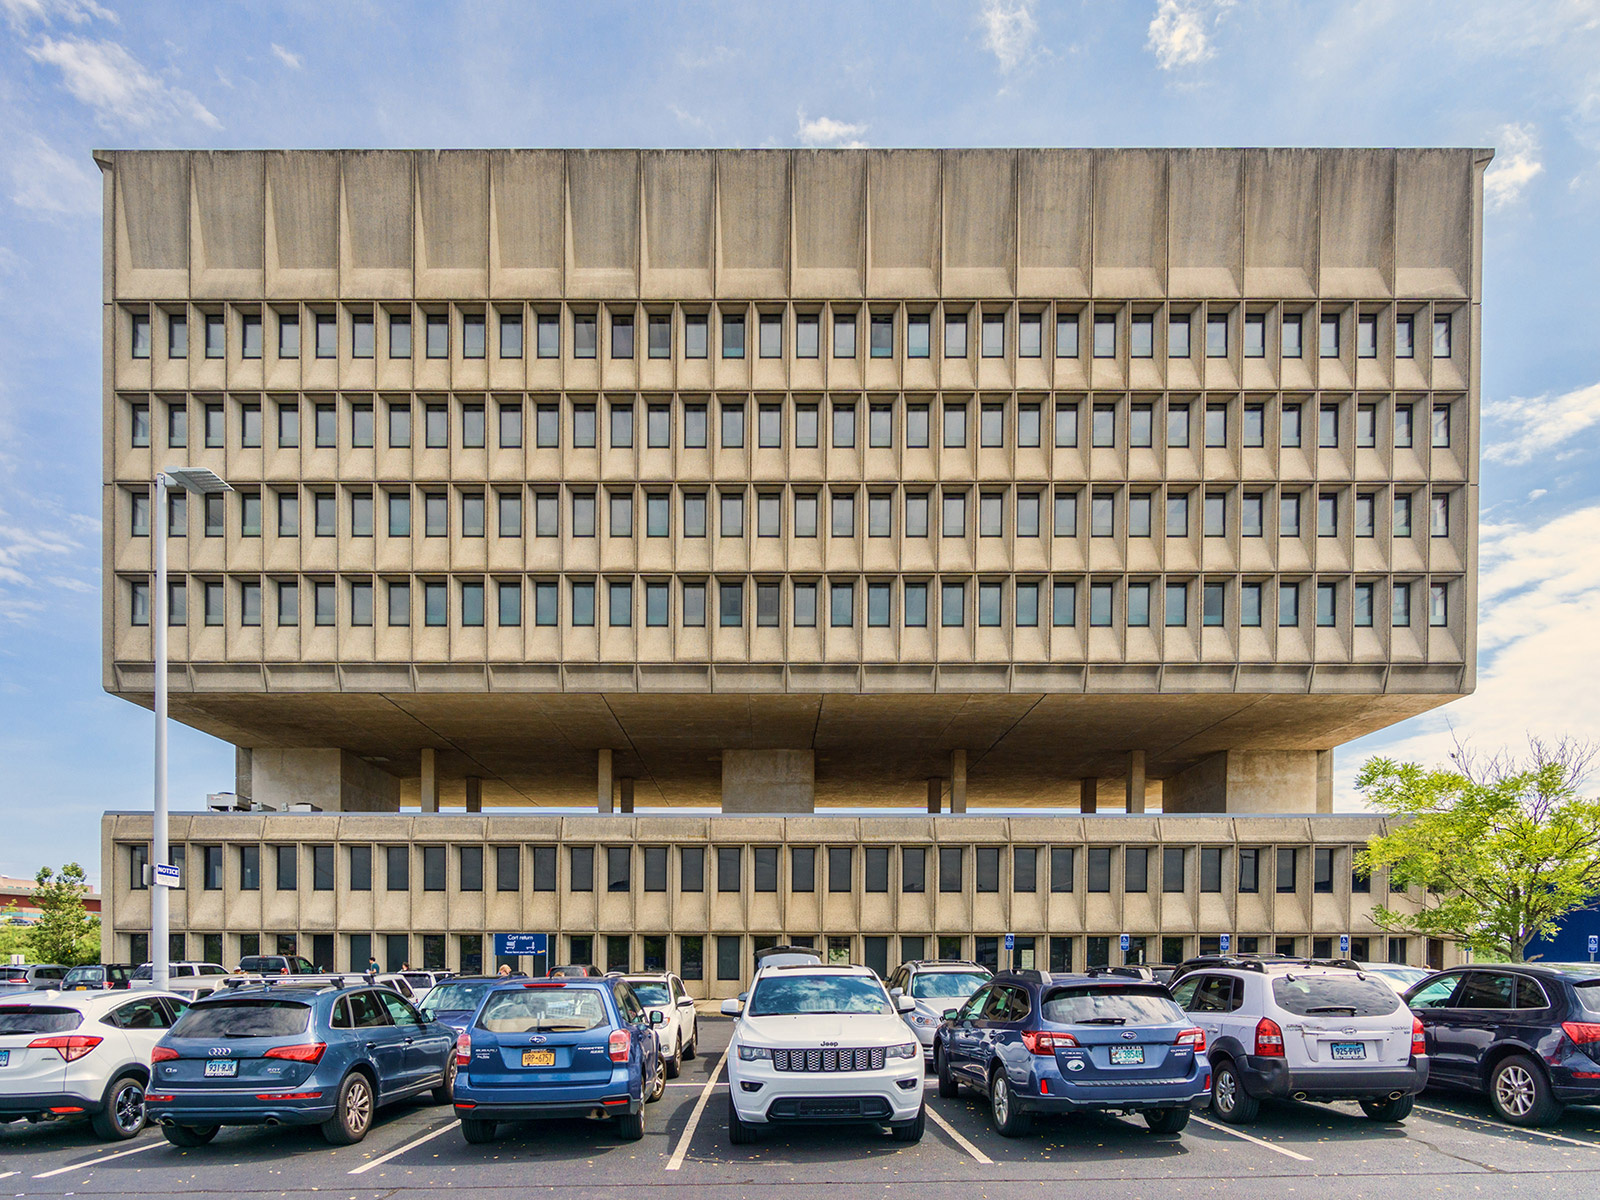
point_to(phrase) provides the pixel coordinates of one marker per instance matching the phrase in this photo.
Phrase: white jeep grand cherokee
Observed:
(822, 1045)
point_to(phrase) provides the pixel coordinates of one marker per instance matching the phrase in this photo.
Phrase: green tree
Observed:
(1501, 848)
(13, 937)
(65, 926)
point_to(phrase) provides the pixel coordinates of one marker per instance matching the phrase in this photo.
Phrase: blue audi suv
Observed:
(297, 1054)
(1038, 1043)
(568, 1047)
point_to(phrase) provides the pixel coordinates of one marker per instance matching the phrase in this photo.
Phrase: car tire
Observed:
(121, 1116)
(910, 1131)
(675, 1063)
(1520, 1094)
(1384, 1109)
(740, 1133)
(689, 1049)
(658, 1081)
(445, 1093)
(477, 1130)
(1229, 1100)
(1166, 1121)
(189, 1136)
(352, 1112)
(1009, 1120)
(630, 1126)
(949, 1089)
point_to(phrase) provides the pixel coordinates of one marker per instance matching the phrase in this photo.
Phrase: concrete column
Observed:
(625, 794)
(958, 781)
(243, 784)
(603, 783)
(430, 782)
(769, 781)
(935, 794)
(474, 794)
(1136, 781)
(1324, 781)
(1089, 794)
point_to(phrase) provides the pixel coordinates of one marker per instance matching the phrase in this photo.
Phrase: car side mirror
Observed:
(730, 1008)
(686, 1002)
(950, 1014)
(657, 1017)
(905, 1003)
(895, 993)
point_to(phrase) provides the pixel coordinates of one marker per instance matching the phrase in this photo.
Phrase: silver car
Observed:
(935, 985)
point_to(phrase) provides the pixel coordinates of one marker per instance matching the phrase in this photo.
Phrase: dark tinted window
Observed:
(1136, 869)
(288, 868)
(692, 869)
(877, 869)
(1530, 994)
(766, 858)
(243, 1018)
(840, 868)
(1211, 868)
(1025, 869)
(322, 868)
(913, 869)
(619, 868)
(582, 864)
(471, 868)
(433, 869)
(1122, 1006)
(802, 869)
(988, 869)
(1486, 990)
(1099, 868)
(1172, 869)
(1061, 868)
(728, 862)
(544, 868)
(398, 867)
(1334, 996)
(1249, 870)
(360, 868)
(655, 868)
(37, 1019)
(950, 868)
(507, 868)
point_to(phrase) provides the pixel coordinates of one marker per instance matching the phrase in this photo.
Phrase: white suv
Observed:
(1295, 1032)
(665, 993)
(822, 1045)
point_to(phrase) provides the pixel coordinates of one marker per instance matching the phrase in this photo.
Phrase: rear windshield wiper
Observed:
(1333, 1008)
(1104, 1021)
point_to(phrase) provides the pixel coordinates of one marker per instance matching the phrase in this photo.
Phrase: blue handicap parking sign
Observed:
(1011, 941)
(1594, 944)
(1125, 943)
(1344, 943)
(1225, 942)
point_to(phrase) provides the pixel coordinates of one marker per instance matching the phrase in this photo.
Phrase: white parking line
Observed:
(1253, 1140)
(955, 1137)
(1503, 1128)
(411, 1145)
(676, 1161)
(90, 1163)
(7, 1174)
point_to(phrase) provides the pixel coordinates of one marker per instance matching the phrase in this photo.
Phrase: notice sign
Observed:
(166, 875)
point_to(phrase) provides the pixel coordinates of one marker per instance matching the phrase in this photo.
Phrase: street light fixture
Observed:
(202, 483)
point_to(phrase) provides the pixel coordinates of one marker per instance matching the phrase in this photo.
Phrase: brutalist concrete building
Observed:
(1076, 504)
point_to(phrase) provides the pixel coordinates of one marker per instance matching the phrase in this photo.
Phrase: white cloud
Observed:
(1538, 494)
(45, 180)
(825, 131)
(1535, 425)
(287, 57)
(1516, 163)
(1180, 32)
(22, 13)
(1008, 30)
(24, 553)
(103, 75)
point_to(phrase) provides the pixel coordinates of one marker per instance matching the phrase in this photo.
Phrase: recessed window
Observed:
(1255, 335)
(1361, 604)
(1254, 425)
(1328, 515)
(1439, 517)
(1139, 515)
(955, 335)
(1142, 336)
(1289, 515)
(994, 335)
(955, 426)
(1366, 426)
(880, 426)
(1102, 515)
(1441, 335)
(288, 336)
(1104, 430)
(620, 595)
(1030, 335)
(917, 422)
(1405, 336)
(1404, 431)
(621, 335)
(436, 334)
(841, 607)
(1250, 604)
(1177, 516)
(1177, 604)
(584, 422)
(1105, 335)
(844, 514)
(620, 515)
(807, 335)
(732, 335)
(990, 600)
(805, 605)
(547, 335)
(992, 425)
(583, 603)
(769, 335)
(1178, 325)
(1327, 603)
(657, 602)
(1251, 509)
(658, 327)
(917, 514)
(621, 426)
(508, 603)
(585, 335)
(844, 426)
(1441, 426)
(1289, 432)
(327, 335)
(1066, 514)
(1066, 335)
(730, 517)
(1217, 335)
(844, 335)
(953, 604)
(1216, 425)
(1438, 604)
(1030, 419)
(1139, 604)
(177, 337)
(1216, 514)
(1367, 336)
(1288, 604)
(1329, 345)
(1328, 426)
(954, 515)
(435, 426)
(1402, 515)
(1100, 598)
(1064, 603)
(730, 603)
(250, 335)
(139, 336)
(510, 337)
(1365, 514)
(1141, 426)
(1177, 425)
(694, 514)
(695, 426)
(1291, 333)
(399, 335)
(217, 336)
(1028, 514)
(1213, 600)
(991, 514)
(1401, 605)
(918, 338)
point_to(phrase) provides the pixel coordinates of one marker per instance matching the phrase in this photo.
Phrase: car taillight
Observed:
(1195, 1038)
(162, 1054)
(305, 1054)
(544, 983)
(618, 1045)
(463, 1049)
(1419, 1038)
(1269, 1038)
(1583, 1033)
(1046, 1041)
(71, 1047)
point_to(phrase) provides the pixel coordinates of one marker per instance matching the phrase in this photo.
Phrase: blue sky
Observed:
(1521, 77)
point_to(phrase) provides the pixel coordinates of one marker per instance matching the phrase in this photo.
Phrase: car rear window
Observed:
(455, 997)
(1110, 1006)
(243, 1018)
(652, 993)
(37, 1018)
(14, 973)
(1589, 994)
(256, 964)
(544, 1010)
(1333, 996)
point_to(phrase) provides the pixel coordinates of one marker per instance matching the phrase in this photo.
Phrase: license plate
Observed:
(538, 1058)
(1348, 1050)
(221, 1067)
(5, 1058)
(1127, 1056)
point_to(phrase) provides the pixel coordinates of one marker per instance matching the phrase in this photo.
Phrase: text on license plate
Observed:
(5, 1058)
(221, 1066)
(1349, 1050)
(1127, 1056)
(538, 1058)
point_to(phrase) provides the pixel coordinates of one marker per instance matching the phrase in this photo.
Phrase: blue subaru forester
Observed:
(303, 1053)
(573, 1047)
(1038, 1043)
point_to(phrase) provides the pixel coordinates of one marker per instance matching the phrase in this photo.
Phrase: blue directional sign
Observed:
(1125, 943)
(516, 945)
(1225, 942)
(1344, 943)
(1011, 941)
(166, 875)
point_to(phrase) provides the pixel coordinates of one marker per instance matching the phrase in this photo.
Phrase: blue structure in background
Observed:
(1572, 943)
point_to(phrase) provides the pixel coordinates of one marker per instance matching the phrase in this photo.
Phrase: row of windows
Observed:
(922, 869)
(1029, 602)
(990, 331)
(1112, 424)
(1176, 512)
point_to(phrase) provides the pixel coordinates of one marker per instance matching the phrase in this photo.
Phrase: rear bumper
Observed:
(542, 1110)
(1570, 1087)
(1271, 1078)
(1062, 1093)
(207, 1108)
(537, 1102)
(37, 1105)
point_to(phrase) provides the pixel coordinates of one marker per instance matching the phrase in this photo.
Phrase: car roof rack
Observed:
(944, 962)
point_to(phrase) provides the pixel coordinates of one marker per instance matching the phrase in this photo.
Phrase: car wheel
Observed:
(675, 1063)
(122, 1115)
(1009, 1121)
(446, 1091)
(1229, 1100)
(630, 1126)
(656, 1086)
(189, 1136)
(740, 1133)
(949, 1089)
(1386, 1109)
(689, 1050)
(352, 1114)
(1166, 1121)
(910, 1131)
(478, 1131)
(1520, 1094)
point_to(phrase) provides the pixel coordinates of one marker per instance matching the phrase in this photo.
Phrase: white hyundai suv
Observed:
(822, 1045)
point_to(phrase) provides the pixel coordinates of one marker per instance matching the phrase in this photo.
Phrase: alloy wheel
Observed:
(358, 1105)
(1514, 1088)
(127, 1107)
(1001, 1100)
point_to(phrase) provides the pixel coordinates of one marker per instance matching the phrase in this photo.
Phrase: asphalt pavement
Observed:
(1451, 1146)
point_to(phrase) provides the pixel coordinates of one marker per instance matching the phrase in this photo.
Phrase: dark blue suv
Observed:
(572, 1047)
(1526, 1035)
(299, 1054)
(1036, 1043)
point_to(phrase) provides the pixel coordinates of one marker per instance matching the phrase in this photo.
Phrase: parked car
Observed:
(1285, 1030)
(1041, 1043)
(422, 982)
(1397, 975)
(822, 1045)
(305, 1053)
(935, 985)
(665, 993)
(86, 1054)
(455, 1001)
(786, 956)
(98, 977)
(28, 977)
(575, 971)
(572, 1047)
(1526, 1035)
(1246, 961)
(144, 976)
(275, 964)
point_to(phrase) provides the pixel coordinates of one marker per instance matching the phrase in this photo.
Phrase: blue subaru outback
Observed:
(1037, 1043)
(572, 1047)
(303, 1053)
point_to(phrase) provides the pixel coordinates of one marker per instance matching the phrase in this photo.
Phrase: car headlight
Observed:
(924, 1020)
(752, 1053)
(906, 1050)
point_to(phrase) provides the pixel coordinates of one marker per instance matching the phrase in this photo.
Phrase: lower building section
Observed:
(698, 895)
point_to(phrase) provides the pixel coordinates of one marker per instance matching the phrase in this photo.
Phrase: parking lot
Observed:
(1450, 1146)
